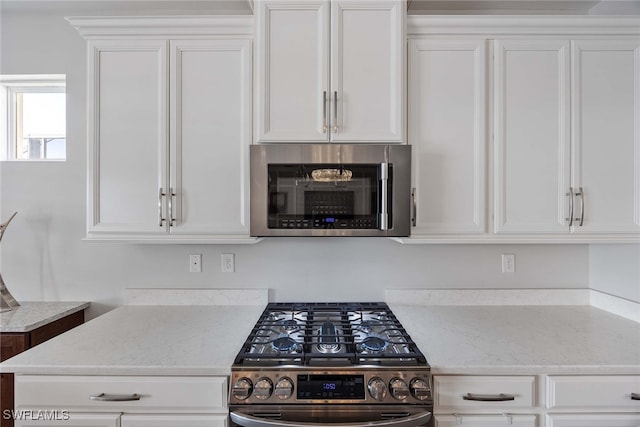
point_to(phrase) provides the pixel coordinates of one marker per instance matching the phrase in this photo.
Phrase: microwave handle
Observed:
(384, 196)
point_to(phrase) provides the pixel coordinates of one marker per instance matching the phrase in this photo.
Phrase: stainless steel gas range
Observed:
(336, 364)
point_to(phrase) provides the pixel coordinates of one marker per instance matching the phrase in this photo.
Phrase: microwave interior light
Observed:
(331, 175)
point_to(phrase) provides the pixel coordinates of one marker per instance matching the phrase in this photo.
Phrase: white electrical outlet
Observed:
(228, 263)
(195, 263)
(508, 263)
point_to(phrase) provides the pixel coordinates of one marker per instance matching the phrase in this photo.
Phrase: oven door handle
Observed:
(245, 420)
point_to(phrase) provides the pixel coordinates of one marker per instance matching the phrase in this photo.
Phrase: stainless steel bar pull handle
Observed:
(570, 195)
(335, 112)
(635, 396)
(324, 112)
(172, 194)
(489, 397)
(414, 211)
(105, 397)
(384, 196)
(580, 193)
(160, 195)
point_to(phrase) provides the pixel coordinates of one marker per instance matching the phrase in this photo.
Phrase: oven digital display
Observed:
(327, 387)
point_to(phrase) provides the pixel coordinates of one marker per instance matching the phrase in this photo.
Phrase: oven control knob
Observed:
(263, 389)
(284, 388)
(377, 388)
(242, 389)
(399, 389)
(420, 389)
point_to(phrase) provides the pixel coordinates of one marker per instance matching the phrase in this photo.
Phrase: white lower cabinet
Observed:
(40, 419)
(593, 420)
(593, 400)
(120, 401)
(174, 421)
(485, 420)
(485, 401)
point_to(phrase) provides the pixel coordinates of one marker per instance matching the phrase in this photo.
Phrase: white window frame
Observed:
(10, 85)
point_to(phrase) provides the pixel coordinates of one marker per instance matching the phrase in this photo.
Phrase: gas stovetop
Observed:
(329, 334)
(329, 353)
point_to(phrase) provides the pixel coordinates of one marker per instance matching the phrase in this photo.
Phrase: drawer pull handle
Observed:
(104, 397)
(489, 397)
(635, 396)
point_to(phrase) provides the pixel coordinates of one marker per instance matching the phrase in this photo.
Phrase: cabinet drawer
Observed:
(157, 394)
(470, 392)
(485, 420)
(593, 391)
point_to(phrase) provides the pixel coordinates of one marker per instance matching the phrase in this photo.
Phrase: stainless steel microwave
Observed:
(330, 190)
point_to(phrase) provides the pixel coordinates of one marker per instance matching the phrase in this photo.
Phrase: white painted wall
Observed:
(615, 270)
(45, 258)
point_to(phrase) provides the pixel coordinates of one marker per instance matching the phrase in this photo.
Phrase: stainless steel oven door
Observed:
(331, 415)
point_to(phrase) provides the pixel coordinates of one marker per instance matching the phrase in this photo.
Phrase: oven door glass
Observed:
(328, 196)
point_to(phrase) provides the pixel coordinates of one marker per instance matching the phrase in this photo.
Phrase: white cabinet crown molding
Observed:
(523, 25)
(91, 27)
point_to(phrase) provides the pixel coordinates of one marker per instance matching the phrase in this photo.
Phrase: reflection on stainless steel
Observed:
(342, 416)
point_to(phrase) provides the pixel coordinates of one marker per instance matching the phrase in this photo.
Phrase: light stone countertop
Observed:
(480, 340)
(32, 315)
(519, 340)
(145, 340)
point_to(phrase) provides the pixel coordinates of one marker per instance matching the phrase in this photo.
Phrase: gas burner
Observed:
(365, 326)
(329, 338)
(374, 344)
(290, 325)
(284, 344)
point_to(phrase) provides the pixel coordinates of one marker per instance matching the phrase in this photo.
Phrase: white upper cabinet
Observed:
(170, 125)
(606, 136)
(531, 135)
(330, 71)
(447, 105)
(128, 106)
(566, 144)
(210, 134)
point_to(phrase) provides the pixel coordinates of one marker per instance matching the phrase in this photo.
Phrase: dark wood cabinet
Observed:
(12, 343)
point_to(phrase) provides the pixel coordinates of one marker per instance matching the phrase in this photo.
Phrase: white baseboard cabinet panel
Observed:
(593, 420)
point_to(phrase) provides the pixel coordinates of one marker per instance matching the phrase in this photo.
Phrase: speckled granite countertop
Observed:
(475, 340)
(32, 315)
(145, 340)
(494, 340)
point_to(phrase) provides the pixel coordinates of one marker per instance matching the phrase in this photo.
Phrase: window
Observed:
(34, 117)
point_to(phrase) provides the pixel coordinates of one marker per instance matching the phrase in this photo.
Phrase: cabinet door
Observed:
(531, 136)
(606, 135)
(593, 420)
(292, 71)
(185, 420)
(210, 122)
(57, 418)
(367, 71)
(447, 116)
(127, 136)
(485, 420)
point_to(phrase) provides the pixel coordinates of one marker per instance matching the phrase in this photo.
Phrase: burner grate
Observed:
(328, 334)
